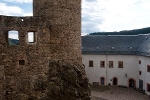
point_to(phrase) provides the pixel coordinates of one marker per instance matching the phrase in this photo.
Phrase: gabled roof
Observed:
(116, 44)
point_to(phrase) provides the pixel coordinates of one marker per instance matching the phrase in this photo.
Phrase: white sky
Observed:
(97, 15)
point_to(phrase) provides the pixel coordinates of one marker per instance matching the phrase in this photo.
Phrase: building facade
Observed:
(117, 60)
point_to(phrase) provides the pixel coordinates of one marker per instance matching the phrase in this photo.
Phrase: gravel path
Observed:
(118, 93)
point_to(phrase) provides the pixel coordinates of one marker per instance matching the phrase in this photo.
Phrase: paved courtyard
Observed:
(118, 93)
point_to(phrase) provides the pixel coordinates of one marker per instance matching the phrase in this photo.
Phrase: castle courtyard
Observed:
(117, 93)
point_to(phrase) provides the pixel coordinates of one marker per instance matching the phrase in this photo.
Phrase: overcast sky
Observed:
(97, 15)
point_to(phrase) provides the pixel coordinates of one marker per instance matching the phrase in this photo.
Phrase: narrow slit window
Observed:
(31, 37)
(13, 37)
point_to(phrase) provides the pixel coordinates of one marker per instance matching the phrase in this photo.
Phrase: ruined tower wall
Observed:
(57, 28)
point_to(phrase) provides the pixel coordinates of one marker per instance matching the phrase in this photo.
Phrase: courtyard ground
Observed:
(116, 93)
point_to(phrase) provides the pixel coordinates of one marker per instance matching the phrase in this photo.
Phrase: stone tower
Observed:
(63, 17)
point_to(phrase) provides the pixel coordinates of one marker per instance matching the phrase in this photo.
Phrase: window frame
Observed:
(111, 62)
(102, 63)
(120, 62)
(140, 72)
(91, 63)
(148, 68)
(140, 62)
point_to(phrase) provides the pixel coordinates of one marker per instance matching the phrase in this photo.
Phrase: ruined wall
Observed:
(57, 29)
(19, 78)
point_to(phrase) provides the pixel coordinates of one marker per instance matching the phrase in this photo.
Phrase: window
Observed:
(140, 72)
(21, 62)
(148, 87)
(139, 61)
(31, 37)
(13, 37)
(120, 64)
(102, 63)
(111, 64)
(148, 68)
(90, 63)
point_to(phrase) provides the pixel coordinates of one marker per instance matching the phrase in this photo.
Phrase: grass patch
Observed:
(99, 88)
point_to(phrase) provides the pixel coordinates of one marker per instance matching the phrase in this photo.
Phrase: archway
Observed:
(102, 81)
(115, 81)
(131, 82)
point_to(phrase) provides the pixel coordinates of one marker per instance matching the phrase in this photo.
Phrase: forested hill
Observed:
(125, 32)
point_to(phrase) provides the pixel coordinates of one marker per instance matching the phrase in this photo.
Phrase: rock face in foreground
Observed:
(66, 82)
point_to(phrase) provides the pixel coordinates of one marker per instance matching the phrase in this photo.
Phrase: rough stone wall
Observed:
(57, 28)
(64, 20)
(20, 78)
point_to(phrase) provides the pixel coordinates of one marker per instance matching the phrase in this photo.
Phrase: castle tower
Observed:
(63, 19)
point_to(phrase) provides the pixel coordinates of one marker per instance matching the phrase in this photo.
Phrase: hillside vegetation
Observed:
(125, 32)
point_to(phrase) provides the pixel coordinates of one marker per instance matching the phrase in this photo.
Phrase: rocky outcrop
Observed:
(66, 82)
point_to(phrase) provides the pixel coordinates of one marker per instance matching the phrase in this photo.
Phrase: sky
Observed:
(97, 15)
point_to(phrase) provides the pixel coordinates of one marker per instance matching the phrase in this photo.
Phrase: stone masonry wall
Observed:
(57, 30)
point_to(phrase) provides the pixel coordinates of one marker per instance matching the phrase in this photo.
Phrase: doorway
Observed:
(102, 80)
(131, 83)
(141, 84)
(115, 81)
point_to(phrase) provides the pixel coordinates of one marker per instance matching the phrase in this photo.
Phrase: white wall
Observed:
(145, 76)
(131, 67)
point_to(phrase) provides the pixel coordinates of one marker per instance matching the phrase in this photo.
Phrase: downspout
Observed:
(106, 67)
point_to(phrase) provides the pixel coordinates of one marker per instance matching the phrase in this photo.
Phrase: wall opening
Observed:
(21, 62)
(148, 87)
(13, 37)
(102, 63)
(115, 81)
(141, 84)
(90, 63)
(31, 37)
(102, 81)
(131, 82)
(120, 64)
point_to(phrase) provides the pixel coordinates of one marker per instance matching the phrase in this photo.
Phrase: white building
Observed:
(117, 60)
